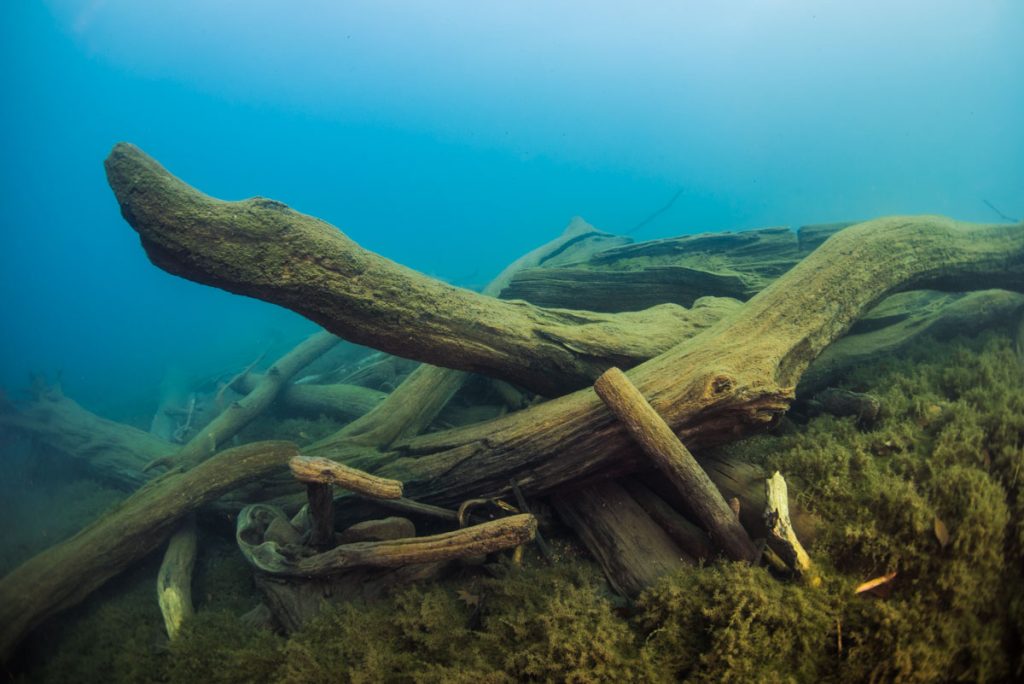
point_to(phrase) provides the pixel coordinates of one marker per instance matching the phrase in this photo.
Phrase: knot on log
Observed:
(719, 385)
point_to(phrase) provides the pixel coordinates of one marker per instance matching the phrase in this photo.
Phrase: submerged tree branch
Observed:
(261, 248)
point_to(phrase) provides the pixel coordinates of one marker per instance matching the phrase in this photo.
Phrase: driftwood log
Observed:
(675, 462)
(66, 573)
(268, 557)
(263, 249)
(114, 452)
(337, 400)
(631, 548)
(678, 270)
(327, 472)
(688, 536)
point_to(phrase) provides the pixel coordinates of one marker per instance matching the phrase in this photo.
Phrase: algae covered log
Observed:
(723, 382)
(261, 248)
(339, 400)
(631, 548)
(66, 573)
(114, 452)
(676, 462)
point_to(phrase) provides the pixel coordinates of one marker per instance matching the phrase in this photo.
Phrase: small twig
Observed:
(999, 213)
(230, 384)
(542, 545)
(657, 213)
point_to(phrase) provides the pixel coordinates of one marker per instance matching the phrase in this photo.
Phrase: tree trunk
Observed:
(112, 451)
(263, 249)
(337, 400)
(630, 547)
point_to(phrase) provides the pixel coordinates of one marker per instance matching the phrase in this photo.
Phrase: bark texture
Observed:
(675, 462)
(261, 248)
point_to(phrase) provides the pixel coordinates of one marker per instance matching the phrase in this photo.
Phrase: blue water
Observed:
(454, 136)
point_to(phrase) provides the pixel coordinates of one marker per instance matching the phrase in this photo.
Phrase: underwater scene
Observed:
(512, 341)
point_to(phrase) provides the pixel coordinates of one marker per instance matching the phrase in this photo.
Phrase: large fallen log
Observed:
(66, 573)
(676, 270)
(112, 451)
(263, 249)
(631, 548)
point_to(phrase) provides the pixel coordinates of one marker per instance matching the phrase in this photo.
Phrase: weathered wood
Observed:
(495, 535)
(341, 401)
(263, 249)
(69, 571)
(731, 380)
(321, 515)
(810, 237)
(676, 270)
(726, 381)
(407, 411)
(673, 459)
(112, 451)
(632, 549)
(174, 580)
(782, 538)
(328, 472)
(688, 536)
(713, 387)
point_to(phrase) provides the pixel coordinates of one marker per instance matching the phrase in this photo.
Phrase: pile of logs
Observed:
(717, 334)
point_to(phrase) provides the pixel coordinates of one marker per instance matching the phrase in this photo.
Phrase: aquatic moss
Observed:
(931, 492)
(946, 456)
(736, 623)
(115, 636)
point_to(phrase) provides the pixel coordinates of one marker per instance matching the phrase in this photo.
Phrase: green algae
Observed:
(947, 454)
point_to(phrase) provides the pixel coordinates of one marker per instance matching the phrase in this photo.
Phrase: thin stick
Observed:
(542, 545)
